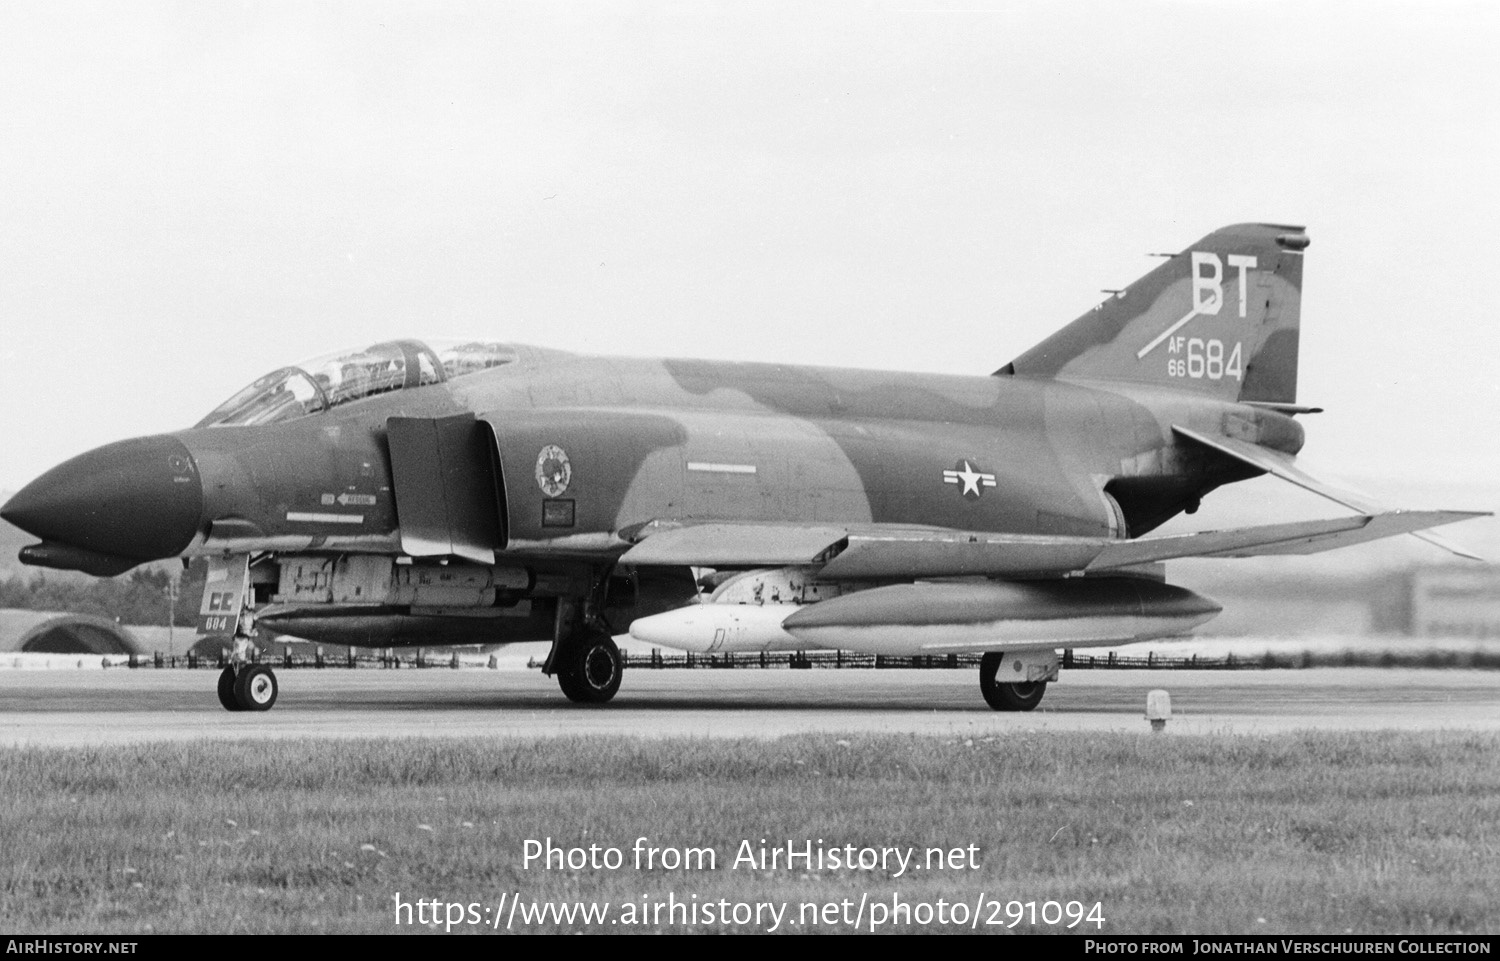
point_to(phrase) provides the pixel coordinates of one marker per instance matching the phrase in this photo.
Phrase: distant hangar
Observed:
(59, 632)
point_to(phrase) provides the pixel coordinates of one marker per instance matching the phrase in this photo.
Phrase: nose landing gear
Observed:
(247, 687)
(243, 685)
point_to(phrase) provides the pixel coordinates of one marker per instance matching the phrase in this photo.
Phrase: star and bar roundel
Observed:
(970, 480)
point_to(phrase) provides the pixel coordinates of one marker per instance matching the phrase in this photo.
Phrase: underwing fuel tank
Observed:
(1001, 615)
(720, 628)
(944, 618)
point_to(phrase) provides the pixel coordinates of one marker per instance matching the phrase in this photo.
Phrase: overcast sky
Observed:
(192, 194)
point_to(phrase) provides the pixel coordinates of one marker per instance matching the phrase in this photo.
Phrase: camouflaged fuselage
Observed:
(684, 440)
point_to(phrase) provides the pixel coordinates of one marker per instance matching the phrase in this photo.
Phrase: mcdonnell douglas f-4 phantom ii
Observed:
(484, 493)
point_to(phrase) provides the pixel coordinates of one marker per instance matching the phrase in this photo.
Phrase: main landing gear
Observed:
(588, 667)
(247, 687)
(584, 657)
(1020, 696)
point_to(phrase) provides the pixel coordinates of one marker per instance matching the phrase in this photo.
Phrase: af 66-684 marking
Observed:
(1197, 359)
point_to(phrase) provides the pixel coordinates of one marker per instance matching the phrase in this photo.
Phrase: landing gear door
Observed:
(449, 495)
(223, 594)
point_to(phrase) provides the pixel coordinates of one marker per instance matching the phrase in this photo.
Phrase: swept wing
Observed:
(872, 551)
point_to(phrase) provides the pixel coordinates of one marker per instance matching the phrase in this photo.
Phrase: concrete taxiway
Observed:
(121, 706)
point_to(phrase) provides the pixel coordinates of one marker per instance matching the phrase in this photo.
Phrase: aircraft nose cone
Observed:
(137, 499)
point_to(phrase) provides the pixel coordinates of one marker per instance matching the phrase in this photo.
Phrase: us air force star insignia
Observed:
(553, 472)
(973, 481)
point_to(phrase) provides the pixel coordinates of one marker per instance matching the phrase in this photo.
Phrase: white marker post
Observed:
(1158, 709)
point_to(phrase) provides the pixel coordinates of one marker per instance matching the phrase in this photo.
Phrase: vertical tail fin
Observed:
(1220, 318)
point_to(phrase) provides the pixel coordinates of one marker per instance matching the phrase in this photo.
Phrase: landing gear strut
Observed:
(1007, 697)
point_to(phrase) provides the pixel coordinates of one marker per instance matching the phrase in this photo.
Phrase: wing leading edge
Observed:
(871, 551)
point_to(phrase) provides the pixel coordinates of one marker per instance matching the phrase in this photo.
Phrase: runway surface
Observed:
(120, 705)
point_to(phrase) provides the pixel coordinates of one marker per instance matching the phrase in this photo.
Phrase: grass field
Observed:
(1311, 833)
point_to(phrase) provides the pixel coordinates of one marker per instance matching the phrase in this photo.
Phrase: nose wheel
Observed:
(247, 687)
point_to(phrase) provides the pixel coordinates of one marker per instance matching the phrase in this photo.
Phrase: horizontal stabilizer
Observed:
(1283, 466)
(1438, 540)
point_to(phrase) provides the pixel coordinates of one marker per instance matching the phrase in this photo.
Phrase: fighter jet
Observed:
(413, 493)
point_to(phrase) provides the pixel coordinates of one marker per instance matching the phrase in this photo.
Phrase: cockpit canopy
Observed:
(333, 379)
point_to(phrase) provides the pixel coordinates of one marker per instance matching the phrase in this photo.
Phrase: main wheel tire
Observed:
(226, 690)
(589, 669)
(1007, 697)
(255, 688)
